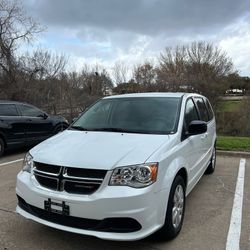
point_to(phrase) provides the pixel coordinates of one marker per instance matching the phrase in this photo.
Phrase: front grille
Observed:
(115, 225)
(47, 168)
(45, 181)
(71, 180)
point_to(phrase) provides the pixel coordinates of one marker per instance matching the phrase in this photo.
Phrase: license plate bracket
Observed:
(56, 207)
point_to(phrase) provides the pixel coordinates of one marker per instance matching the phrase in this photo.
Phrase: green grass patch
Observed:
(229, 106)
(232, 143)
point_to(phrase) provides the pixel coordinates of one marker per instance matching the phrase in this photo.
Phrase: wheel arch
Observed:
(176, 167)
(60, 124)
(183, 173)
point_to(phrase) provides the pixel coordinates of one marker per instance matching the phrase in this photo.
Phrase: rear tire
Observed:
(211, 166)
(175, 211)
(2, 146)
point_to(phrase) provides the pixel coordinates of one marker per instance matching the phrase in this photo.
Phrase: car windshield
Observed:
(148, 115)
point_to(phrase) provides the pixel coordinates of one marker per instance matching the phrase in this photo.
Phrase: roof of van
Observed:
(149, 94)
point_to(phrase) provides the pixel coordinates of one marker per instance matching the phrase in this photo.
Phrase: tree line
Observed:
(41, 77)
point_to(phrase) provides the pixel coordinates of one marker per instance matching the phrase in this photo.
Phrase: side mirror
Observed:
(45, 116)
(197, 127)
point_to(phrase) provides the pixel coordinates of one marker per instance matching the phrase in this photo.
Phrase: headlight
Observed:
(135, 176)
(28, 163)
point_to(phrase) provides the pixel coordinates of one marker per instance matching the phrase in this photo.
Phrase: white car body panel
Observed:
(101, 150)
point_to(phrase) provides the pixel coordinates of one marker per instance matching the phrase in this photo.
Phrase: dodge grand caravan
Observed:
(123, 169)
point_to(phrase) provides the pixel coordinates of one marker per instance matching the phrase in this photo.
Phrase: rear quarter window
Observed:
(210, 110)
(8, 110)
(202, 109)
(27, 110)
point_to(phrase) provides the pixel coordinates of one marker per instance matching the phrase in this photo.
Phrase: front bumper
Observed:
(109, 203)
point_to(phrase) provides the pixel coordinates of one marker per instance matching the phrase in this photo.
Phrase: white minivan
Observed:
(123, 169)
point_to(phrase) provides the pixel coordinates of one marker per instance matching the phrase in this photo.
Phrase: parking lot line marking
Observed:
(233, 236)
(10, 162)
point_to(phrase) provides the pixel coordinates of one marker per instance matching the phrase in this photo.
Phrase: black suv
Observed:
(23, 124)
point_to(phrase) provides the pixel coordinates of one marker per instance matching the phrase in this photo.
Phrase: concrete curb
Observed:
(233, 153)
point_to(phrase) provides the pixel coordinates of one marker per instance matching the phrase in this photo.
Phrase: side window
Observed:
(190, 112)
(8, 110)
(27, 110)
(210, 110)
(202, 109)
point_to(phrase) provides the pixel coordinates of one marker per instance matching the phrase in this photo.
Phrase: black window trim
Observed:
(207, 101)
(183, 137)
(198, 110)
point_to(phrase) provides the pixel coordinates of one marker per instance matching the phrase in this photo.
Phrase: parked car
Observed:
(23, 124)
(123, 169)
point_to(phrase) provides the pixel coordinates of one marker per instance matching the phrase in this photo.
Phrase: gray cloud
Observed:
(140, 16)
(135, 30)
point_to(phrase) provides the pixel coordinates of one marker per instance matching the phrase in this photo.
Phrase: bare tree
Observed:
(15, 27)
(173, 67)
(120, 72)
(145, 75)
(43, 64)
(96, 81)
(200, 67)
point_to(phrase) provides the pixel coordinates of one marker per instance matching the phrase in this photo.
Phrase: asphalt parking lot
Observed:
(206, 226)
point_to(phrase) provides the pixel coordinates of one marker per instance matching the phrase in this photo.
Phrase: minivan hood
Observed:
(97, 150)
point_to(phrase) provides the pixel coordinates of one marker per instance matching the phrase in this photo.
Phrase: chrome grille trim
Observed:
(87, 185)
(97, 180)
(36, 171)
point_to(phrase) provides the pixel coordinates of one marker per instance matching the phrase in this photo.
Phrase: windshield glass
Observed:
(150, 115)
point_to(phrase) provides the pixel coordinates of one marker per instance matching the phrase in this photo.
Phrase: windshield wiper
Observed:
(79, 128)
(122, 130)
(109, 129)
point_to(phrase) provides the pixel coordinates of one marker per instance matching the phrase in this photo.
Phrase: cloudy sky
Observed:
(131, 31)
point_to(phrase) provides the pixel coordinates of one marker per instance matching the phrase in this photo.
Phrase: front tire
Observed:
(175, 210)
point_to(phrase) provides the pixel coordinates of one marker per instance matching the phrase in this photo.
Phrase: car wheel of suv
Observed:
(2, 146)
(175, 211)
(211, 166)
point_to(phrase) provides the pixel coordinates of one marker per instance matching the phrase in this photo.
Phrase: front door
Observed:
(38, 127)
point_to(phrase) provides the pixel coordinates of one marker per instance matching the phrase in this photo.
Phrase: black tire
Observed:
(211, 167)
(2, 146)
(169, 230)
(59, 128)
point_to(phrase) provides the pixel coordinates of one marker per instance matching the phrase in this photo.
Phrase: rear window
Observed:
(8, 110)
